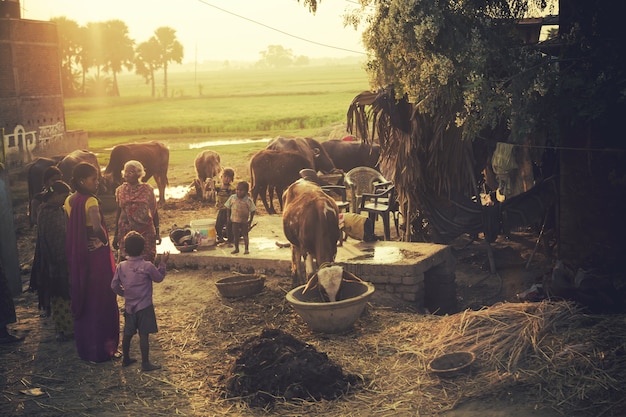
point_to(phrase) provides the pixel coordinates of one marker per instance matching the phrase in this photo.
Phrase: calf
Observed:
(208, 166)
(310, 223)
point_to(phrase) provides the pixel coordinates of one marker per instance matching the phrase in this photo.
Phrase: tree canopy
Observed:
(170, 50)
(277, 56)
(459, 74)
(100, 48)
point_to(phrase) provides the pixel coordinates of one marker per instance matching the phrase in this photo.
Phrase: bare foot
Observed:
(127, 362)
(246, 252)
(235, 251)
(147, 367)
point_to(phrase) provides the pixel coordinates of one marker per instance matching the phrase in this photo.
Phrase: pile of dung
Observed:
(277, 365)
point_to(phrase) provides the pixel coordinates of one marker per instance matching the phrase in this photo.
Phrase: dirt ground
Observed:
(200, 335)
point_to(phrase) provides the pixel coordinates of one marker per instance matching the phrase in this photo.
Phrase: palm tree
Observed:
(118, 50)
(147, 60)
(85, 56)
(91, 51)
(170, 50)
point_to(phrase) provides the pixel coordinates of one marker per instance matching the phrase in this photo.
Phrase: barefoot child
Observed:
(133, 280)
(225, 190)
(242, 210)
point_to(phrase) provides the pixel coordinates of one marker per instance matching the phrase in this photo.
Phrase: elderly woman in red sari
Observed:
(90, 260)
(137, 211)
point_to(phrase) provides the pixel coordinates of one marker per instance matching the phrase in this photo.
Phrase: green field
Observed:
(219, 105)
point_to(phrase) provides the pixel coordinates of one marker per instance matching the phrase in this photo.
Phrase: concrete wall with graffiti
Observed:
(32, 115)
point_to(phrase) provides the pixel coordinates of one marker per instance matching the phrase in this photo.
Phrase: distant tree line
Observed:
(277, 56)
(93, 55)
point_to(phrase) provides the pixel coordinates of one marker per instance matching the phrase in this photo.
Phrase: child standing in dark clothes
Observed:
(54, 275)
(133, 280)
(224, 191)
(242, 210)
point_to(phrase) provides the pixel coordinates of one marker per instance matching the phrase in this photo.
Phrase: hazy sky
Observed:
(209, 32)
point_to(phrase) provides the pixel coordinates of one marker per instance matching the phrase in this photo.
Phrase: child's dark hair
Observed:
(134, 243)
(81, 171)
(229, 172)
(243, 185)
(50, 172)
(56, 188)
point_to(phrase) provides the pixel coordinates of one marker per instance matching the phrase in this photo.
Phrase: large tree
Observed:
(147, 61)
(460, 73)
(118, 50)
(276, 56)
(69, 49)
(170, 50)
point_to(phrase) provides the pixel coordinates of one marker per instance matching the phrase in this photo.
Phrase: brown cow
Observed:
(208, 166)
(311, 224)
(154, 156)
(274, 170)
(307, 147)
(347, 155)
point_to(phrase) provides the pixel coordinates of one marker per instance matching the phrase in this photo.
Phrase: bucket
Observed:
(206, 231)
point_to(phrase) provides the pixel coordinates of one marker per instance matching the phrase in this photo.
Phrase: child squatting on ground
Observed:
(133, 280)
(242, 210)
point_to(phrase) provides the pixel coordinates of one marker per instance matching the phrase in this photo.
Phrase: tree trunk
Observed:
(152, 81)
(165, 79)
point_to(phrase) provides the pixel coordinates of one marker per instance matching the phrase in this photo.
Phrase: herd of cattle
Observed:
(273, 169)
(153, 155)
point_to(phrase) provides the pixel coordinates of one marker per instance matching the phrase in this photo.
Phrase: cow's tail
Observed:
(253, 189)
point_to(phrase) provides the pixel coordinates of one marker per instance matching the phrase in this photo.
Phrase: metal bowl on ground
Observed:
(186, 248)
(240, 285)
(451, 364)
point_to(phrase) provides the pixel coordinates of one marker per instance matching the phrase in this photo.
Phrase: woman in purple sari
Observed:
(91, 264)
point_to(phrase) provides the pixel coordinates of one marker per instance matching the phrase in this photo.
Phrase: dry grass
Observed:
(546, 357)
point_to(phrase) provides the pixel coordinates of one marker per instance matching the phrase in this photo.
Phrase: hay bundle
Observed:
(277, 365)
(551, 351)
(502, 335)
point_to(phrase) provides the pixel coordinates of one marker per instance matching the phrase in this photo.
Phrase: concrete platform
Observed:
(422, 273)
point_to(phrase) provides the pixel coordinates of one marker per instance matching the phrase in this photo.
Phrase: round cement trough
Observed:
(334, 316)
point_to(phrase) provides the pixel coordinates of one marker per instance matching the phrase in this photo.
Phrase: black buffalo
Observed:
(271, 170)
(347, 154)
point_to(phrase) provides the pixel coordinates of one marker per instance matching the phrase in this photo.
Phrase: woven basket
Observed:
(240, 285)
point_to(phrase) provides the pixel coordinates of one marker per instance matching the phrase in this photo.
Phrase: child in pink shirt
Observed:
(133, 280)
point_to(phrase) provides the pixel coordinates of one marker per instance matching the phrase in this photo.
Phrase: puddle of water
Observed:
(256, 243)
(262, 243)
(384, 254)
(214, 143)
(178, 192)
(166, 246)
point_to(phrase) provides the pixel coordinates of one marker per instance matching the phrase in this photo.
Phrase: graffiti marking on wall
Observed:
(50, 134)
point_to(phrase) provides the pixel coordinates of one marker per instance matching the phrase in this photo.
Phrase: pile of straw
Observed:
(550, 351)
(548, 355)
